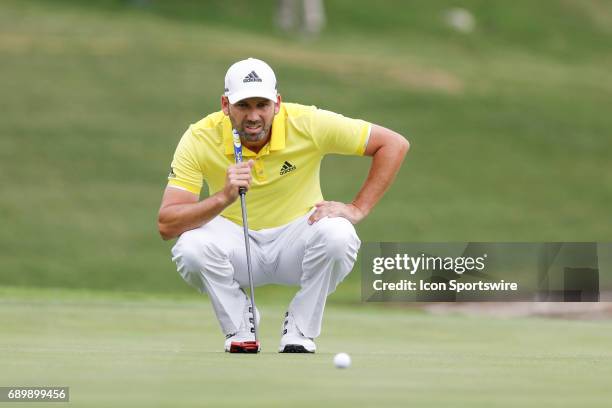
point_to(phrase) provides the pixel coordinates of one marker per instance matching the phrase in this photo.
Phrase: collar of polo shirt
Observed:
(277, 140)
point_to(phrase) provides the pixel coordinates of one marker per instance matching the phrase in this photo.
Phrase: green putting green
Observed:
(115, 351)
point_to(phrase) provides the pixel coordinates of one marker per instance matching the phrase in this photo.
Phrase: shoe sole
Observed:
(295, 348)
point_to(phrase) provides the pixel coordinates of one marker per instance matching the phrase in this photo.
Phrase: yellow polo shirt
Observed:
(285, 182)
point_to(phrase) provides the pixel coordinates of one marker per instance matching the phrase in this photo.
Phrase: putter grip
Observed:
(238, 155)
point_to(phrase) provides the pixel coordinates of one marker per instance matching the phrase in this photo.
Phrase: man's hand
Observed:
(238, 175)
(335, 209)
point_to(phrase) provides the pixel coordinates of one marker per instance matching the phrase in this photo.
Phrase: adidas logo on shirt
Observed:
(252, 77)
(287, 167)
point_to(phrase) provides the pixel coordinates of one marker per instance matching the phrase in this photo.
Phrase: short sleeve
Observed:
(185, 170)
(334, 133)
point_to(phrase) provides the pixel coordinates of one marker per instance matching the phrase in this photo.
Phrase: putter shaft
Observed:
(245, 227)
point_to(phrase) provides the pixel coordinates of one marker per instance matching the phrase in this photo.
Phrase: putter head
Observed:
(245, 347)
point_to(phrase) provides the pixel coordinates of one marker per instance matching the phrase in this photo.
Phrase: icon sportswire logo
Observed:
(252, 77)
(287, 167)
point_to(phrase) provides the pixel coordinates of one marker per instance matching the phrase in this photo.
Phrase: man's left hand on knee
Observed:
(336, 209)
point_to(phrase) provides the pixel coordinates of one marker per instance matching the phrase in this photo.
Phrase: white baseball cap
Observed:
(250, 78)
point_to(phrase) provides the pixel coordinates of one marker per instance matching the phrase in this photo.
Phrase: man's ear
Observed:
(277, 104)
(225, 105)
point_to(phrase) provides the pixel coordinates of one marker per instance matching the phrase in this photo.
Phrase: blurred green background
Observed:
(510, 124)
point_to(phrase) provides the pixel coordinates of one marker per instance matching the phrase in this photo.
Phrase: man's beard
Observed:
(253, 137)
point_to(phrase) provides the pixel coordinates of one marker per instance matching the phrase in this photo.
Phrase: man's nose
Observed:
(252, 115)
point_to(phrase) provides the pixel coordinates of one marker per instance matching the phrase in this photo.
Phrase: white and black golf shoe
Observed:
(293, 341)
(243, 341)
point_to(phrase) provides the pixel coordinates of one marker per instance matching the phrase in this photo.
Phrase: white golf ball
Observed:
(342, 360)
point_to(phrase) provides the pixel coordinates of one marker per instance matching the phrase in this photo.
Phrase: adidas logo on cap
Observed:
(287, 167)
(252, 77)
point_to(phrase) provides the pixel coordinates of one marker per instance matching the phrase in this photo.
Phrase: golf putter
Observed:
(245, 346)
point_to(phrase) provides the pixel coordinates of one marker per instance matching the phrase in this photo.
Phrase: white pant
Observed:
(315, 257)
